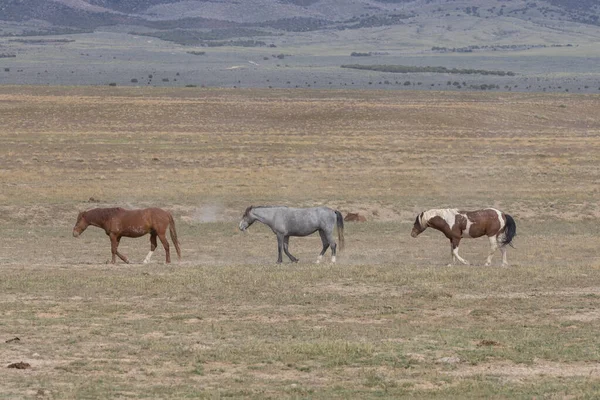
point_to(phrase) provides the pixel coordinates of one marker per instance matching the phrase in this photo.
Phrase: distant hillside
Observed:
(288, 15)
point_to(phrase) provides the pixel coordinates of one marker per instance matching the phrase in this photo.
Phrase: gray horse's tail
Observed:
(510, 231)
(173, 233)
(340, 228)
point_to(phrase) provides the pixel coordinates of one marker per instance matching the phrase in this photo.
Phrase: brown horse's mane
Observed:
(101, 214)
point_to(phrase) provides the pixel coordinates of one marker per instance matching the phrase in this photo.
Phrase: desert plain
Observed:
(389, 319)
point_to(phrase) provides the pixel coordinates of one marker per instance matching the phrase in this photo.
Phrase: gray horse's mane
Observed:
(254, 207)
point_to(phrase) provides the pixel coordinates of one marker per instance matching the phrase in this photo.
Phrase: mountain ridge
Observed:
(96, 13)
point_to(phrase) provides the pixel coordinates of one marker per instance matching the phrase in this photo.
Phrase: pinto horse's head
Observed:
(80, 225)
(419, 226)
(247, 219)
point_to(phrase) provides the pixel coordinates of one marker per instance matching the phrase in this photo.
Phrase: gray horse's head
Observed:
(247, 219)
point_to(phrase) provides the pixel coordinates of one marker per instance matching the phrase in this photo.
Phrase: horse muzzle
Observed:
(75, 233)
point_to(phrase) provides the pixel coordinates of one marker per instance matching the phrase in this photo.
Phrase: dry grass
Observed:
(388, 320)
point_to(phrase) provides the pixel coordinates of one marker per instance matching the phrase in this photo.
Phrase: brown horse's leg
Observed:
(113, 248)
(165, 243)
(114, 244)
(152, 247)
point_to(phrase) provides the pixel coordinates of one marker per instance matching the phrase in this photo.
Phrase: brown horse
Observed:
(499, 227)
(118, 222)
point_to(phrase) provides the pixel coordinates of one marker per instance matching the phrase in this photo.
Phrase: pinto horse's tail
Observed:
(510, 231)
(173, 233)
(340, 228)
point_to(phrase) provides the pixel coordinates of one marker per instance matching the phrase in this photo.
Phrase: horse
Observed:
(119, 222)
(499, 227)
(288, 221)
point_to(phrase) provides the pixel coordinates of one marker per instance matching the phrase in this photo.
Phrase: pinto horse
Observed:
(118, 222)
(500, 228)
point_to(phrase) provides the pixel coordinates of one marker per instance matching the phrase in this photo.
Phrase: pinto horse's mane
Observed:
(444, 213)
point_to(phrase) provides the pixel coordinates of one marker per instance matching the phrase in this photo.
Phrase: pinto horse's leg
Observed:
(279, 248)
(165, 243)
(504, 260)
(455, 255)
(114, 244)
(325, 245)
(286, 241)
(452, 257)
(493, 248)
(153, 246)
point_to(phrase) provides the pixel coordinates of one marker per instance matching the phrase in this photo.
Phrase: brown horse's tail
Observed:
(340, 228)
(173, 233)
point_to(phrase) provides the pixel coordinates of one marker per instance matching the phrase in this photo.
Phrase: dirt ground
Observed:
(388, 320)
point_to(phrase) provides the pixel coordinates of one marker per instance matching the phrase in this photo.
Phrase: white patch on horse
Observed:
(466, 233)
(319, 258)
(447, 214)
(502, 223)
(333, 259)
(148, 257)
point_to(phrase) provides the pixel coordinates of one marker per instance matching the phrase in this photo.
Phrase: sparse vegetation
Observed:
(513, 47)
(42, 41)
(212, 38)
(403, 69)
(49, 31)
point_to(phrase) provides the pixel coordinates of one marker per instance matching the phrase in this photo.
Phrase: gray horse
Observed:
(287, 221)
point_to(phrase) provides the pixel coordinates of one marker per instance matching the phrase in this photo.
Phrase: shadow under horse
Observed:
(119, 222)
(288, 221)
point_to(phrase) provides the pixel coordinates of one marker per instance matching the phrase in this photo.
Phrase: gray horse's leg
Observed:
(286, 241)
(325, 245)
(332, 243)
(279, 248)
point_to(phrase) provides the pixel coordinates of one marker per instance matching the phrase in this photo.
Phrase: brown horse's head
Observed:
(247, 219)
(80, 225)
(419, 226)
